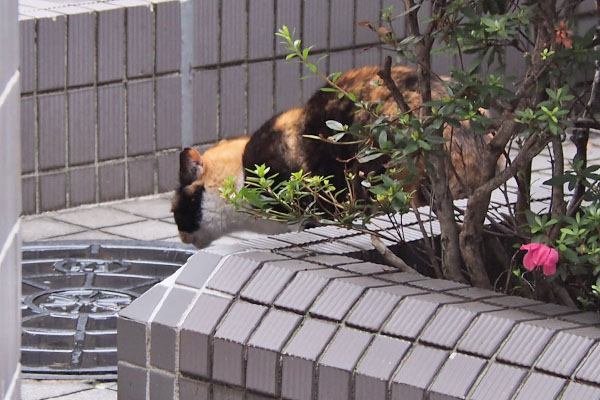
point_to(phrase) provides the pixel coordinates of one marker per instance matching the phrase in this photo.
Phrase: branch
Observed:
(390, 257)
(385, 74)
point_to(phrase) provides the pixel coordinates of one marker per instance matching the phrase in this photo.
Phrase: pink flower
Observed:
(540, 255)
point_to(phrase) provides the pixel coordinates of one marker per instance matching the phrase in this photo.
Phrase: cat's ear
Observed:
(190, 166)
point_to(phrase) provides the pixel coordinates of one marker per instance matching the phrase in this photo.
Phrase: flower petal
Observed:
(528, 261)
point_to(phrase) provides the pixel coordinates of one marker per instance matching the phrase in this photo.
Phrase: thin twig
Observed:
(386, 74)
(390, 257)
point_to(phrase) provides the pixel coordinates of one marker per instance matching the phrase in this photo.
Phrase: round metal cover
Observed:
(71, 293)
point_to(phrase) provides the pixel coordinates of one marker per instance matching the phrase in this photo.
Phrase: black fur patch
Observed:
(188, 210)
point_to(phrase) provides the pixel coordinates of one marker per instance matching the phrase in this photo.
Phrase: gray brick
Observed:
(141, 176)
(140, 117)
(164, 327)
(82, 126)
(416, 372)
(451, 321)
(28, 146)
(288, 13)
(287, 85)
(341, 29)
(81, 50)
(377, 365)
(82, 186)
(377, 304)
(576, 391)
(111, 42)
(567, 350)
(53, 192)
(51, 50)
(316, 23)
(27, 41)
(162, 386)
(168, 36)
(264, 347)
(168, 112)
(168, 167)
(233, 101)
(111, 123)
(132, 381)
(206, 32)
(299, 358)
(338, 362)
(140, 41)
(229, 341)
(191, 389)
(540, 387)
(112, 181)
(233, 274)
(205, 106)
(499, 383)
(51, 114)
(233, 30)
(456, 377)
(260, 94)
(196, 333)
(268, 283)
(131, 341)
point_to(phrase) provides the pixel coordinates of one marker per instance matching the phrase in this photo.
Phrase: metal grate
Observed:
(71, 293)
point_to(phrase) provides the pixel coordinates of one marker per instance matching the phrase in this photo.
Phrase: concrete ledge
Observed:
(288, 322)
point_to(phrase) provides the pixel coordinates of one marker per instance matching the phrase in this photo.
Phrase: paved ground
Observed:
(145, 218)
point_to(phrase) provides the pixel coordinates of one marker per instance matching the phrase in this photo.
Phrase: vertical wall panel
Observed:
(141, 177)
(28, 195)
(287, 85)
(140, 120)
(168, 169)
(140, 41)
(51, 109)
(366, 57)
(112, 181)
(366, 11)
(288, 13)
(168, 112)
(81, 49)
(111, 40)
(260, 94)
(233, 30)
(82, 126)
(340, 61)
(205, 106)
(51, 50)
(111, 122)
(82, 186)
(206, 32)
(233, 102)
(27, 134)
(53, 191)
(341, 29)
(27, 42)
(316, 24)
(168, 36)
(262, 27)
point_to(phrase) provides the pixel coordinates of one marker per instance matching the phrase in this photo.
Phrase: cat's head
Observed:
(201, 214)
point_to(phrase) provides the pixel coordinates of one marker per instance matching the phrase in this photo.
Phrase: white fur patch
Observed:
(220, 218)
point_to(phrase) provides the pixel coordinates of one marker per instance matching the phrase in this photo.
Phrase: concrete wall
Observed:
(10, 202)
(107, 104)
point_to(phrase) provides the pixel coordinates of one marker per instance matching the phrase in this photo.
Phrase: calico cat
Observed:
(202, 215)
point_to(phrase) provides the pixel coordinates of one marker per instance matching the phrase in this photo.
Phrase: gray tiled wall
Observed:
(10, 202)
(104, 94)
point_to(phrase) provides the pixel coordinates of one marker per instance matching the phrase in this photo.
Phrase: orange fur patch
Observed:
(222, 161)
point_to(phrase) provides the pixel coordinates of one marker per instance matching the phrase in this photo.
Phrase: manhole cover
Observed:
(71, 294)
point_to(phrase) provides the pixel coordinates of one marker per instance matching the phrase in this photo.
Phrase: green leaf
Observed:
(370, 157)
(334, 125)
(290, 56)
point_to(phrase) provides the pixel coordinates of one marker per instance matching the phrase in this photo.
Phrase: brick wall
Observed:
(10, 203)
(106, 104)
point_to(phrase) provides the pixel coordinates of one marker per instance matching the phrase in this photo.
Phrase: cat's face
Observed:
(200, 213)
